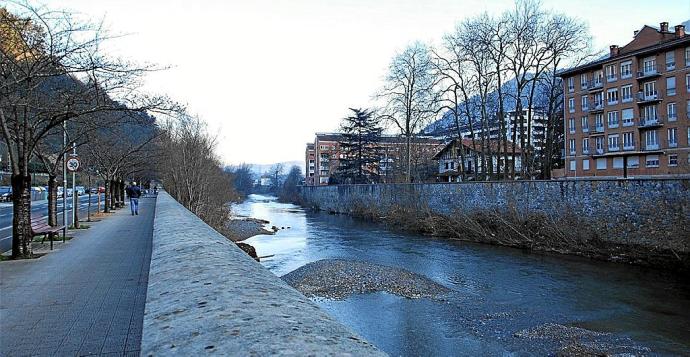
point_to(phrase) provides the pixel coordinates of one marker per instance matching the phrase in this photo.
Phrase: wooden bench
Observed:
(41, 227)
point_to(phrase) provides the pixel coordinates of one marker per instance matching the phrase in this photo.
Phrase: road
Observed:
(40, 209)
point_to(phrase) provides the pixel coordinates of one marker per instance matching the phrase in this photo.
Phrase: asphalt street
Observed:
(40, 209)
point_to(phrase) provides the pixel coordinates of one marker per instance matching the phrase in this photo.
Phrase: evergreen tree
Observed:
(360, 152)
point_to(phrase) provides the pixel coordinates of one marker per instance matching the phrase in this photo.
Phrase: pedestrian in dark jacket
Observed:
(134, 192)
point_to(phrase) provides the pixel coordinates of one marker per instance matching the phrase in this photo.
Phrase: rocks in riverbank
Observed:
(248, 249)
(337, 279)
(576, 341)
(244, 228)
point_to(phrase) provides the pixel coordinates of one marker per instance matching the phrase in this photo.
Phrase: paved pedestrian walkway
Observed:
(86, 299)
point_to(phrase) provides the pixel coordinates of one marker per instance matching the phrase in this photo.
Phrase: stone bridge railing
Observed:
(207, 296)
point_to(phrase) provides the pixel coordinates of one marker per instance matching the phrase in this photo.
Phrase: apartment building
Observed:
(310, 165)
(322, 158)
(452, 163)
(537, 135)
(628, 114)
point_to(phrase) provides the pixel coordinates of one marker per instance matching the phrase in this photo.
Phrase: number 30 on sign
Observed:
(73, 164)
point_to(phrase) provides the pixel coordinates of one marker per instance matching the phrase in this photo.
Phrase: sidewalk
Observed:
(85, 299)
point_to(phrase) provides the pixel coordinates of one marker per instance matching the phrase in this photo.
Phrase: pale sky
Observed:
(267, 74)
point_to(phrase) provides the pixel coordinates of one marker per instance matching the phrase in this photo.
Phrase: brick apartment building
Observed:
(322, 157)
(628, 115)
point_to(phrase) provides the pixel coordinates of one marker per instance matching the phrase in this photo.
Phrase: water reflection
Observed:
(497, 290)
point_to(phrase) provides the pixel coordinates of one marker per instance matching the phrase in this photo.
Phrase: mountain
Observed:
(445, 126)
(260, 169)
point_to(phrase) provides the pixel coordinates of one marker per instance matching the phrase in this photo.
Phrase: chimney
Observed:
(663, 26)
(680, 31)
(614, 50)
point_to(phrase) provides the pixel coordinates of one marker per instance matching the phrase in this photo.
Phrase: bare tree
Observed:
(408, 95)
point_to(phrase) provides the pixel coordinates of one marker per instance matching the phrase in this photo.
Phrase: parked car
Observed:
(80, 190)
(5, 193)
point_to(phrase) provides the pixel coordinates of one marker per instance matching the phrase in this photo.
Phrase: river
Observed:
(497, 291)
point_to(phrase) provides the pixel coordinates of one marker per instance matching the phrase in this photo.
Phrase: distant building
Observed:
(537, 125)
(629, 114)
(326, 154)
(451, 164)
(310, 165)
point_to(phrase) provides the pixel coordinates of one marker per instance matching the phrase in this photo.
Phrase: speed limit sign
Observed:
(73, 164)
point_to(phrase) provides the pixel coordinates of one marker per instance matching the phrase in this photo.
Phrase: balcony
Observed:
(651, 147)
(600, 151)
(598, 107)
(648, 97)
(611, 78)
(599, 129)
(585, 129)
(648, 72)
(584, 85)
(595, 85)
(585, 151)
(629, 147)
(670, 66)
(650, 123)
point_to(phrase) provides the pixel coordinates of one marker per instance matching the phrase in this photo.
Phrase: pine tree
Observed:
(360, 152)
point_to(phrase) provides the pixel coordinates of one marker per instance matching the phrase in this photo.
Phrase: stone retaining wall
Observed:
(652, 213)
(207, 296)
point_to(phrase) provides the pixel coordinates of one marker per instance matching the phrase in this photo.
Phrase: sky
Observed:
(268, 74)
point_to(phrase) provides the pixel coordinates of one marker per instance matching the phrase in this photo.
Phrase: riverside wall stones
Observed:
(207, 296)
(651, 213)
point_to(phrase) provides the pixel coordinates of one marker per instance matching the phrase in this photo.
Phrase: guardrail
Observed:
(206, 296)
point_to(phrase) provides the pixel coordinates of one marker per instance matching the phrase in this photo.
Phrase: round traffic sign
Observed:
(73, 164)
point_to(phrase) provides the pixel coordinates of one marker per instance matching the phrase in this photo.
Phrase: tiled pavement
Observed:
(86, 299)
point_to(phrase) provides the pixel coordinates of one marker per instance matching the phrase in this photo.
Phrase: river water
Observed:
(496, 291)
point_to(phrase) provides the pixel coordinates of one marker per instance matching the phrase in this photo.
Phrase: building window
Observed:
(618, 163)
(670, 86)
(649, 66)
(687, 109)
(626, 69)
(613, 142)
(571, 105)
(571, 84)
(598, 77)
(650, 91)
(571, 125)
(651, 140)
(672, 137)
(612, 119)
(652, 161)
(585, 164)
(628, 117)
(673, 160)
(687, 57)
(599, 142)
(687, 82)
(612, 96)
(611, 73)
(628, 141)
(626, 94)
(601, 163)
(572, 165)
(671, 111)
(584, 121)
(650, 115)
(633, 162)
(583, 81)
(585, 146)
(670, 61)
(599, 122)
(599, 100)
(585, 103)
(572, 146)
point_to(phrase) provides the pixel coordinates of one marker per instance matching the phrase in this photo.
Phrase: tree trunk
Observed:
(75, 209)
(52, 200)
(106, 196)
(21, 216)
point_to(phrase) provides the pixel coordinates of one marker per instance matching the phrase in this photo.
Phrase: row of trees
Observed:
(486, 67)
(59, 90)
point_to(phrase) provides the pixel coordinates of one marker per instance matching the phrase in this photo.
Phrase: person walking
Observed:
(134, 192)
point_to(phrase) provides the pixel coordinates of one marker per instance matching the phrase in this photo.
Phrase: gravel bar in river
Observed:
(337, 279)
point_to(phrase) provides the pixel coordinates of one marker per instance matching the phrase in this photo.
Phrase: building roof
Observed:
(384, 138)
(493, 147)
(636, 47)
